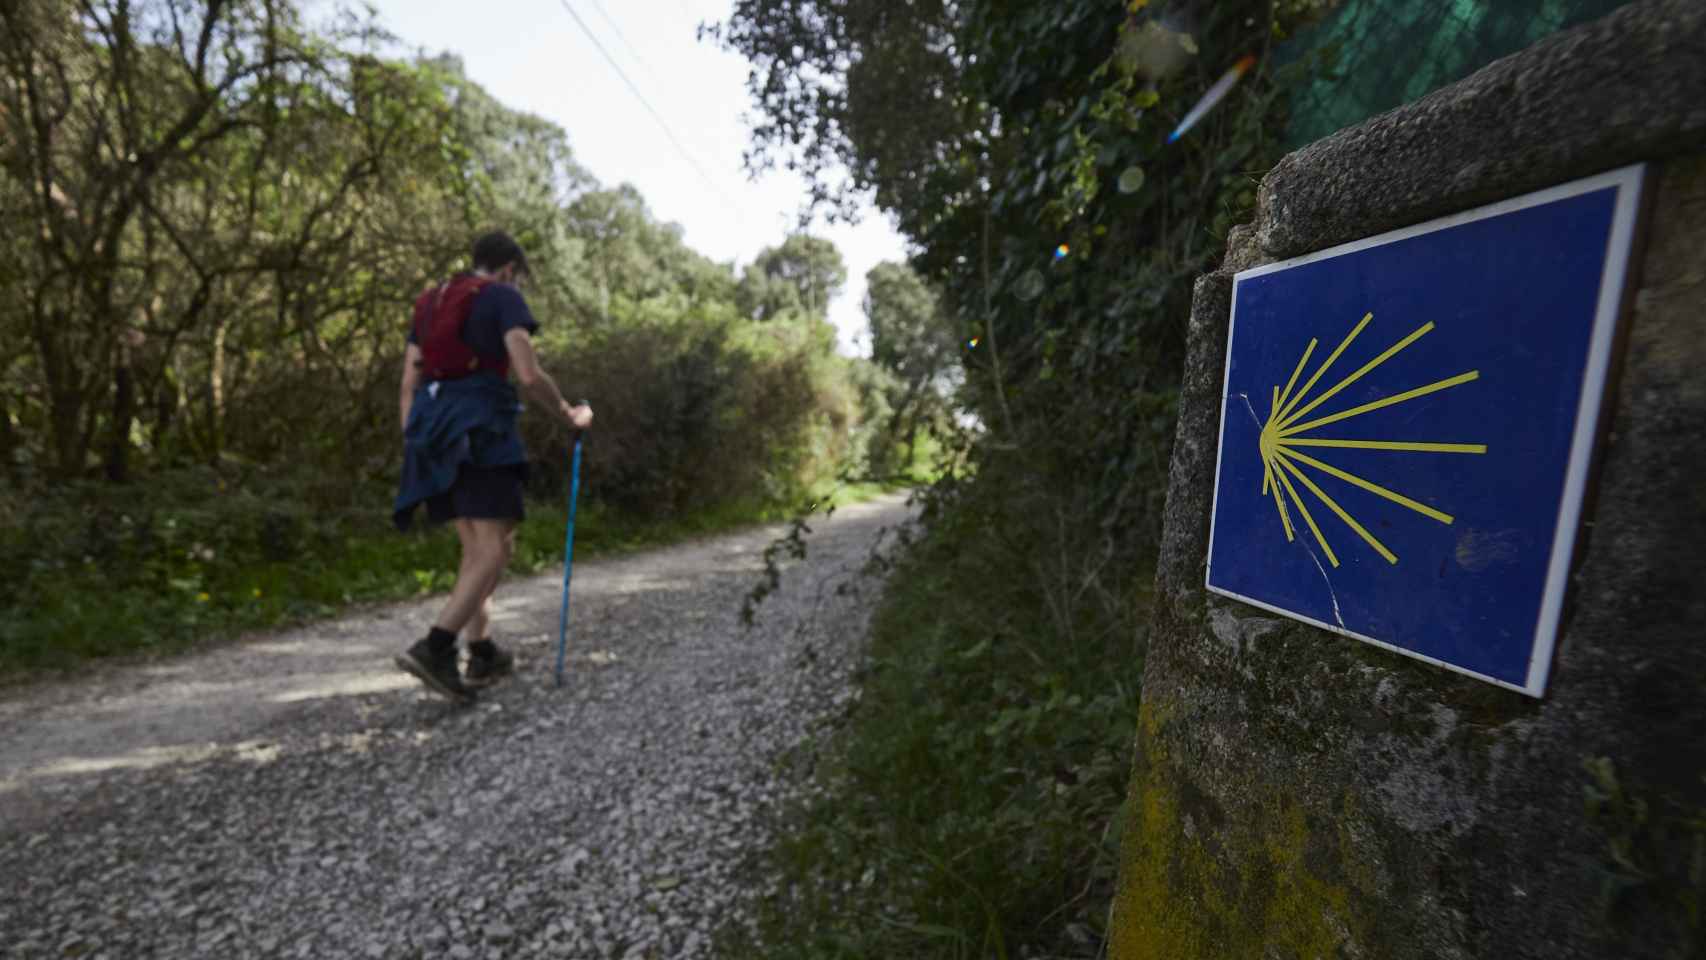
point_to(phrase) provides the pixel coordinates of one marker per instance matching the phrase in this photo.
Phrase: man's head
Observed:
(498, 254)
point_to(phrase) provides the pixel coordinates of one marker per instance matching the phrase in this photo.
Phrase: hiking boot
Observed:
(436, 670)
(486, 662)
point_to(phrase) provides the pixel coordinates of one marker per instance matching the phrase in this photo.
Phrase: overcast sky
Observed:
(533, 56)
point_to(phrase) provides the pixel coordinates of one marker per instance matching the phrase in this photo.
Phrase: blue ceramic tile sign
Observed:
(1408, 423)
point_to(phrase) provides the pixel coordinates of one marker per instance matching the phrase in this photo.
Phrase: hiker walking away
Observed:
(462, 452)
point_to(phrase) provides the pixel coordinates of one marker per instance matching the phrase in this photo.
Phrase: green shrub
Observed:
(95, 570)
(969, 798)
(700, 412)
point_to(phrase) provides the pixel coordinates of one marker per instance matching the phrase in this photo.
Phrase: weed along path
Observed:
(294, 795)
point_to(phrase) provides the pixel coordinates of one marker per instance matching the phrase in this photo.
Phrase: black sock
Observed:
(484, 649)
(441, 641)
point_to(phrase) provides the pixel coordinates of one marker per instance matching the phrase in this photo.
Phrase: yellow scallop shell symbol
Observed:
(1287, 430)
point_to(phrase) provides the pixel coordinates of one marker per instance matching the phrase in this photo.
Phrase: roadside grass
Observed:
(966, 807)
(92, 571)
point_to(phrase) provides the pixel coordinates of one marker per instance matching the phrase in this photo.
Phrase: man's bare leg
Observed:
(486, 662)
(485, 549)
(479, 626)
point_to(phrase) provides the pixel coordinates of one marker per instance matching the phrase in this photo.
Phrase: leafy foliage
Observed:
(1652, 866)
(793, 282)
(912, 338)
(214, 217)
(970, 797)
(198, 554)
(966, 789)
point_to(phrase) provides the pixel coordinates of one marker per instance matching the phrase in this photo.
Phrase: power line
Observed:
(618, 31)
(685, 153)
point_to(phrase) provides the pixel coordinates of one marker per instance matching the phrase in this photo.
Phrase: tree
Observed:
(793, 282)
(628, 264)
(527, 182)
(994, 132)
(214, 220)
(106, 104)
(869, 86)
(217, 215)
(912, 338)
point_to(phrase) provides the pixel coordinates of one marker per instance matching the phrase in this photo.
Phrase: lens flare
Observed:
(1215, 94)
(1030, 285)
(1154, 49)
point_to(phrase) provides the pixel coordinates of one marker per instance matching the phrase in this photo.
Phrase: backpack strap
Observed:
(445, 354)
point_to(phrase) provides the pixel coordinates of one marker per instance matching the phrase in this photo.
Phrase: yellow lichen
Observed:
(1249, 893)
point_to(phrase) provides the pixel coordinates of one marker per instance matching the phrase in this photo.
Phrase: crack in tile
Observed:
(1248, 406)
(1330, 594)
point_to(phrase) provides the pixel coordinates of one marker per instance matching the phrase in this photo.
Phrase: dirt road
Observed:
(294, 795)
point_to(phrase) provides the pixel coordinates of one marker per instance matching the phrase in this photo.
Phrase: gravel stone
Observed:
(294, 795)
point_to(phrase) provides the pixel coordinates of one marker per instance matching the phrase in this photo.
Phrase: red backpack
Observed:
(440, 314)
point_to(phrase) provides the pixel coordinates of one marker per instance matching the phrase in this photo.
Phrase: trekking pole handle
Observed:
(574, 430)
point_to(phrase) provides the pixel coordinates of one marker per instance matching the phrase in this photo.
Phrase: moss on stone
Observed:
(1275, 885)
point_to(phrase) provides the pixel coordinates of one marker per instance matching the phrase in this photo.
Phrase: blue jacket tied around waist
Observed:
(471, 421)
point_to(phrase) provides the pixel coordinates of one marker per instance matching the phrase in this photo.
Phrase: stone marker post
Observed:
(1300, 794)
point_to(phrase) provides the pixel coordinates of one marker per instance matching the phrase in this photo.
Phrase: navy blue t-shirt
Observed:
(498, 309)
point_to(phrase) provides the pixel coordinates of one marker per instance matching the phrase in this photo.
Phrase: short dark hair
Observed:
(496, 250)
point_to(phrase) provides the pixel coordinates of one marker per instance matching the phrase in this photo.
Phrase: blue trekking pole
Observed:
(568, 556)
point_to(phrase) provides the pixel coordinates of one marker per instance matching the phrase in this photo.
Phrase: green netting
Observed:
(1369, 56)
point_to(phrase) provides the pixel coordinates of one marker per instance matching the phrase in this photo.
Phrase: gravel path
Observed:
(294, 795)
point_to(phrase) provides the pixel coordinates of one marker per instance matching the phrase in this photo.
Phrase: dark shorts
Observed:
(480, 493)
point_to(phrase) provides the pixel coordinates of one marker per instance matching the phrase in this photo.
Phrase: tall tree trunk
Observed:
(168, 400)
(64, 398)
(904, 414)
(8, 435)
(173, 406)
(216, 396)
(66, 414)
(124, 414)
